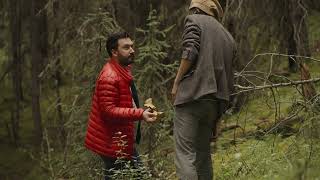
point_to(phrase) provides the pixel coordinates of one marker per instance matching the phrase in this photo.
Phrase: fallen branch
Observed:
(254, 88)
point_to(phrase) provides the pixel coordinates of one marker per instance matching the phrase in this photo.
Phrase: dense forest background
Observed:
(52, 50)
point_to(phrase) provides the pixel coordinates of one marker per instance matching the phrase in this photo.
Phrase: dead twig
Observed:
(244, 89)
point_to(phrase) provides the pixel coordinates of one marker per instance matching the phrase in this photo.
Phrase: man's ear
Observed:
(114, 52)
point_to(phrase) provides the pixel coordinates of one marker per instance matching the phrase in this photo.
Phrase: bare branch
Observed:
(276, 54)
(254, 88)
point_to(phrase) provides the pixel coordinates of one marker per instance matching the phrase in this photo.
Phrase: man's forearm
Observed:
(184, 67)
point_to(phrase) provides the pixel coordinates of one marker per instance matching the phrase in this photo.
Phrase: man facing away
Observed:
(114, 106)
(202, 88)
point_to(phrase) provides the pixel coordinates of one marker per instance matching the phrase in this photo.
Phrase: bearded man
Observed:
(114, 109)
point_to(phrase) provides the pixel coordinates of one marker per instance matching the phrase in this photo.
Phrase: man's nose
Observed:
(131, 50)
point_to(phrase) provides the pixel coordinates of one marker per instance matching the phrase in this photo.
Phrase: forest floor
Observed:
(290, 151)
(250, 150)
(254, 145)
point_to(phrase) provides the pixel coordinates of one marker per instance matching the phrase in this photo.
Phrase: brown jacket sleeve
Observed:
(191, 40)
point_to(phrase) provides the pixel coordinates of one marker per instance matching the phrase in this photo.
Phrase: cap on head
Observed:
(210, 7)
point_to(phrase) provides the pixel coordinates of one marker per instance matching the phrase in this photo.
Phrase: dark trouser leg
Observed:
(109, 163)
(137, 164)
(136, 160)
(192, 133)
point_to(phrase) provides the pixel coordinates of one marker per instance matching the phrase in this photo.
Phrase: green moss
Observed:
(272, 158)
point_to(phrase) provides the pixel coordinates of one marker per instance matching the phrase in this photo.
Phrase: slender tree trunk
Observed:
(298, 43)
(57, 76)
(233, 23)
(2, 22)
(298, 39)
(304, 38)
(292, 50)
(38, 55)
(15, 30)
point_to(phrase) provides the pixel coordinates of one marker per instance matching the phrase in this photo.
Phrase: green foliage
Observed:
(88, 54)
(152, 72)
(249, 152)
(152, 75)
(127, 169)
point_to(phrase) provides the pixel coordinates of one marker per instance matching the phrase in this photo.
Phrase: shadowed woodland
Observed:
(51, 52)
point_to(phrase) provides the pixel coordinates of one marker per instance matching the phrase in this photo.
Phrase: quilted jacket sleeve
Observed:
(107, 92)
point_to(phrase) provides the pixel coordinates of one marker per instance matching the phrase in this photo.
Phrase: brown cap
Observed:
(210, 7)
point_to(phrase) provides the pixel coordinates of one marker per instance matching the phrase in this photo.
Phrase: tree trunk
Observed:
(15, 54)
(38, 55)
(2, 23)
(238, 27)
(292, 50)
(57, 75)
(289, 30)
(298, 43)
(298, 40)
(308, 89)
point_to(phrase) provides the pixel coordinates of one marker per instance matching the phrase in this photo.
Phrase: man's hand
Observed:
(149, 116)
(174, 92)
(184, 67)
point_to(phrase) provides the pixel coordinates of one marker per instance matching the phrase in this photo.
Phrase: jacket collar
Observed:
(124, 72)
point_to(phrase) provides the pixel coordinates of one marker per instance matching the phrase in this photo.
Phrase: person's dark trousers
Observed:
(192, 133)
(110, 163)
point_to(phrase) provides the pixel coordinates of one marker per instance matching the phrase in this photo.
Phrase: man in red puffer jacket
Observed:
(113, 109)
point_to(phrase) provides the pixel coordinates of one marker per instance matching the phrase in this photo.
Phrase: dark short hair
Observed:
(112, 41)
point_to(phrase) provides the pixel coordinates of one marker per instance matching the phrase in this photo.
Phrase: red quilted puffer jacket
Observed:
(112, 112)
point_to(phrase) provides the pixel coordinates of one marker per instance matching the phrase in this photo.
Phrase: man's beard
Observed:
(125, 61)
